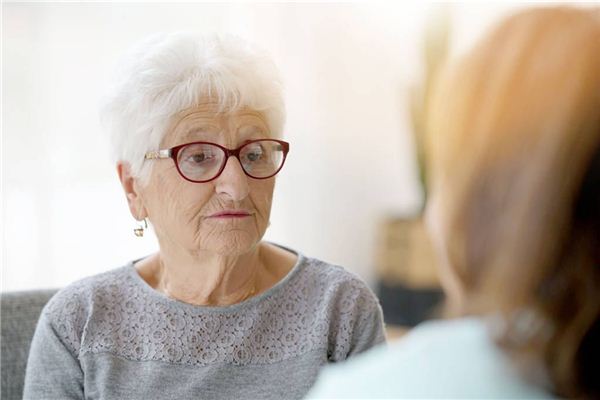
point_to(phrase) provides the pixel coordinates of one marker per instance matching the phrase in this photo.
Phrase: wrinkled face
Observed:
(185, 215)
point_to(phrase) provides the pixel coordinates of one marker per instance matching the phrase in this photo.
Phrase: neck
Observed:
(205, 278)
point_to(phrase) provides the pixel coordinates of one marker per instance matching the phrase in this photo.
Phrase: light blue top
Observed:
(439, 359)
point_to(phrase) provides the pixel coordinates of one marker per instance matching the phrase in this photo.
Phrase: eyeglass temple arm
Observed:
(165, 153)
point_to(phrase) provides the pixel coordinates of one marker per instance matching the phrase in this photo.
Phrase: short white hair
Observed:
(168, 73)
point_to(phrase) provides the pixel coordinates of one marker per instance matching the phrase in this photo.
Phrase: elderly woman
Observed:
(216, 312)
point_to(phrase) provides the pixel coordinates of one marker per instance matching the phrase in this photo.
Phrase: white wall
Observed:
(347, 69)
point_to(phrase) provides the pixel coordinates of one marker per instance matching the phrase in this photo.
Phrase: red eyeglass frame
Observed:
(173, 151)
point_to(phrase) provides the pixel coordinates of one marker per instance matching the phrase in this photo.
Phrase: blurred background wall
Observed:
(349, 69)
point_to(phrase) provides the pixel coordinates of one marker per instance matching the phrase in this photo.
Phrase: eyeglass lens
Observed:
(203, 161)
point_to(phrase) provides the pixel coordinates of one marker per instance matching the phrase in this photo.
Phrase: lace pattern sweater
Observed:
(112, 336)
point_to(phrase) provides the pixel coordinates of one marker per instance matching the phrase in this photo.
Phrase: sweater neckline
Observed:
(250, 302)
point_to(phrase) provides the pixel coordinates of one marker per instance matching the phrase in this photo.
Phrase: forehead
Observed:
(208, 119)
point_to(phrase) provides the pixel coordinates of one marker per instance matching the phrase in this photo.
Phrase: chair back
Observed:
(20, 312)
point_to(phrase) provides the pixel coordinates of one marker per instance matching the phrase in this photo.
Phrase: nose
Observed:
(233, 182)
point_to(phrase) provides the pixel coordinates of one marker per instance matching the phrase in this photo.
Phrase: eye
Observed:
(254, 153)
(201, 157)
(198, 158)
(254, 156)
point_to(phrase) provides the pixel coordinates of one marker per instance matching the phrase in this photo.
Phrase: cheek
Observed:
(435, 229)
(262, 196)
(438, 234)
(175, 202)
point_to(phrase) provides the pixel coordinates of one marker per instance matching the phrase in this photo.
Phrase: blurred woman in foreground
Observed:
(515, 217)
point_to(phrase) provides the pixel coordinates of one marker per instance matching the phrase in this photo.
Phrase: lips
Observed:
(230, 214)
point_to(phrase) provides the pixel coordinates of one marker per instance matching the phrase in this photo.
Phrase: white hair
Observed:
(168, 73)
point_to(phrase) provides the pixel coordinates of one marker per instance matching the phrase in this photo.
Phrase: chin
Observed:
(231, 243)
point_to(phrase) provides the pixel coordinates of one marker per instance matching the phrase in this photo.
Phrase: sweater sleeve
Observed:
(356, 319)
(369, 330)
(53, 370)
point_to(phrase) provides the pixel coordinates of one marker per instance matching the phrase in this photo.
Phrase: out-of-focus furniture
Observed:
(19, 315)
(408, 285)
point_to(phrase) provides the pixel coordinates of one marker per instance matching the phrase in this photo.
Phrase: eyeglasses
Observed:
(201, 162)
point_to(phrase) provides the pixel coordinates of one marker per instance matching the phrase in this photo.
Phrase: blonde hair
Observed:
(513, 129)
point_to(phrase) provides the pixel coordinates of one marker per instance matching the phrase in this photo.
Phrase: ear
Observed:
(131, 187)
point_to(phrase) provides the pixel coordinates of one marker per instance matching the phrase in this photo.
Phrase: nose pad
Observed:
(233, 181)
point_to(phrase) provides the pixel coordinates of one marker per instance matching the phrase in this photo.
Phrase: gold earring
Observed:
(139, 231)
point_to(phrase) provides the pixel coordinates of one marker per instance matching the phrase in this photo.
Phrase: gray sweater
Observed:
(112, 336)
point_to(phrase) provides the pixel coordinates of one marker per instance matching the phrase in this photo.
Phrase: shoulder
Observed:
(437, 359)
(78, 294)
(345, 307)
(317, 277)
(339, 288)
(336, 277)
(68, 310)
